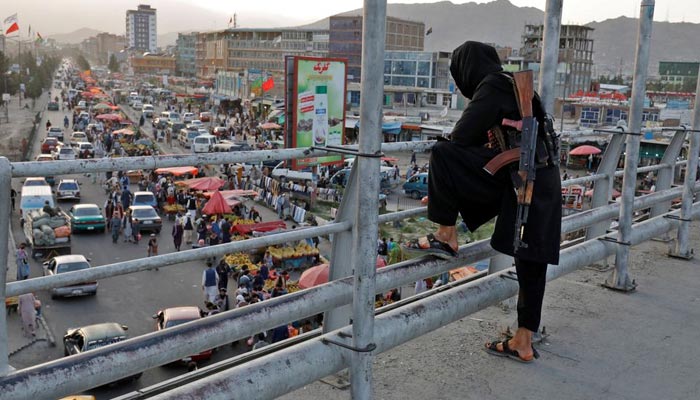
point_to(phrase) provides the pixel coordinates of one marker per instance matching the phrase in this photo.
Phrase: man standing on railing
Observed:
(458, 184)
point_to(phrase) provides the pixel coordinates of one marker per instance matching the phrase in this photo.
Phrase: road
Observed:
(131, 299)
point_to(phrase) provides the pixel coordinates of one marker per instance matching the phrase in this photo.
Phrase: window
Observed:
(423, 68)
(589, 116)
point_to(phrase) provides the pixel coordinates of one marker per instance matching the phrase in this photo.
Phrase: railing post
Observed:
(682, 250)
(367, 212)
(5, 210)
(664, 177)
(342, 249)
(602, 189)
(550, 54)
(620, 279)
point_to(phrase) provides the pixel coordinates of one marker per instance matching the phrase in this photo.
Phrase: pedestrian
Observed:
(13, 195)
(127, 226)
(458, 185)
(222, 300)
(280, 205)
(225, 231)
(245, 281)
(22, 262)
(413, 157)
(153, 246)
(210, 281)
(177, 233)
(27, 311)
(224, 272)
(202, 228)
(126, 197)
(115, 224)
(187, 229)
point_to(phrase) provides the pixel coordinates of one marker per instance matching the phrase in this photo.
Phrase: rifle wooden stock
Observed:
(501, 160)
(524, 83)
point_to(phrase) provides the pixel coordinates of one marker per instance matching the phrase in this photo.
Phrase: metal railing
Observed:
(352, 278)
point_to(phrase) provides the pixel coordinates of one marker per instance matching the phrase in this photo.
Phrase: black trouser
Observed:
(532, 277)
(459, 185)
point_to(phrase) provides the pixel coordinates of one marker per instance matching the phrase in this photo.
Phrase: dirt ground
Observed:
(20, 124)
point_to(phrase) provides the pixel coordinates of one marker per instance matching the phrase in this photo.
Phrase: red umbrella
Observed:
(216, 205)
(109, 117)
(584, 150)
(206, 183)
(314, 276)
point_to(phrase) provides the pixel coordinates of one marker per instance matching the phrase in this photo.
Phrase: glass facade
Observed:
(417, 69)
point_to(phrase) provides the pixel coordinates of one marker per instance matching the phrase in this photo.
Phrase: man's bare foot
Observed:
(447, 235)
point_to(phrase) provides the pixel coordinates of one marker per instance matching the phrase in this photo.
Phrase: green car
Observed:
(87, 218)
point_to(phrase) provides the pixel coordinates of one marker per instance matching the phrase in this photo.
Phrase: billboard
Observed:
(318, 105)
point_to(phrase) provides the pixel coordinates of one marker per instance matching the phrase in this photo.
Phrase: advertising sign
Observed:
(318, 106)
(572, 197)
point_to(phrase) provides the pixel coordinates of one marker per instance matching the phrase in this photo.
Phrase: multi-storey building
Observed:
(575, 57)
(141, 31)
(108, 44)
(185, 54)
(345, 39)
(153, 64)
(678, 72)
(211, 53)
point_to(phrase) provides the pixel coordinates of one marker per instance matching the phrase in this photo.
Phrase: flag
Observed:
(12, 22)
(230, 21)
(268, 84)
(39, 39)
(429, 31)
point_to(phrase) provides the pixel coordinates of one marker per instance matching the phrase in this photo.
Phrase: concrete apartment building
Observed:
(575, 57)
(678, 72)
(153, 64)
(242, 56)
(346, 39)
(141, 29)
(185, 46)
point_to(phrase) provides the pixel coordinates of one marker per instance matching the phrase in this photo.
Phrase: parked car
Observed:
(76, 137)
(64, 153)
(147, 218)
(49, 144)
(79, 340)
(52, 106)
(87, 217)
(68, 189)
(174, 316)
(417, 186)
(70, 263)
(55, 132)
(205, 116)
(85, 150)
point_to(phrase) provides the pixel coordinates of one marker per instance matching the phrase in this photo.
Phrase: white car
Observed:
(147, 110)
(64, 153)
(137, 105)
(76, 137)
(196, 123)
(68, 189)
(187, 117)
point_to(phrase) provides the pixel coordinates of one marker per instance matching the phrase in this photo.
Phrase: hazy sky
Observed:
(61, 16)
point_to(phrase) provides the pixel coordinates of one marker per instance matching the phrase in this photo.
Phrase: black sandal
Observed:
(429, 244)
(492, 348)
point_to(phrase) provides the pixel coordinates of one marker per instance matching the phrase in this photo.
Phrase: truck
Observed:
(47, 234)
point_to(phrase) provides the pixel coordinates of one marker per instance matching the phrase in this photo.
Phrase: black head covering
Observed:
(471, 62)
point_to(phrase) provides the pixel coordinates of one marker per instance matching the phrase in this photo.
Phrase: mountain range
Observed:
(502, 23)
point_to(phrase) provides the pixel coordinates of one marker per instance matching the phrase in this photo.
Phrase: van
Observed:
(185, 137)
(340, 178)
(417, 186)
(34, 197)
(203, 143)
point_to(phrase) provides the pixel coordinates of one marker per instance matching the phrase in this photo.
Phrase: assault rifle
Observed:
(524, 178)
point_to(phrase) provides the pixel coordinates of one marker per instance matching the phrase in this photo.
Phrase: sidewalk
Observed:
(601, 345)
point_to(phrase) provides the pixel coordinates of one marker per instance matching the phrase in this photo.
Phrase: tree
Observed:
(113, 64)
(83, 63)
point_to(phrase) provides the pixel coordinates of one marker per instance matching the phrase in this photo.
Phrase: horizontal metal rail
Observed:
(314, 359)
(569, 224)
(161, 387)
(586, 218)
(50, 168)
(598, 177)
(113, 362)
